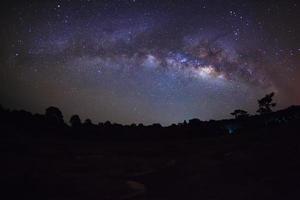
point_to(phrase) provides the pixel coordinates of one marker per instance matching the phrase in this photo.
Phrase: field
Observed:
(262, 165)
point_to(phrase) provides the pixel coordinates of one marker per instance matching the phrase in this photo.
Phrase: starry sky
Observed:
(135, 61)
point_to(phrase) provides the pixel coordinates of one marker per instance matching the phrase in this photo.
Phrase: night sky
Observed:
(148, 61)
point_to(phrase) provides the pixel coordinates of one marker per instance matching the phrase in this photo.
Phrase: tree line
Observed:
(52, 122)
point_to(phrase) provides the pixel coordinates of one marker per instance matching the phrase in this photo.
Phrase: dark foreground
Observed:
(255, 165)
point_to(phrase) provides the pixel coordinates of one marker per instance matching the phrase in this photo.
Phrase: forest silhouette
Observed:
(52, 122)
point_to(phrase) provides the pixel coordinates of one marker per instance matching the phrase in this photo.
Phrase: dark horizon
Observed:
(235, 114)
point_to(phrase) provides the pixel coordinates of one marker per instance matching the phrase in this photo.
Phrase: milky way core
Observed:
(134, 61)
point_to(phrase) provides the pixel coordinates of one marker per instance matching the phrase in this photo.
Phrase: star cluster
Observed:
(149, 61)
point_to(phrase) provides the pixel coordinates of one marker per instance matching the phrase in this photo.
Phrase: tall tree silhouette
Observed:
(238, 114)
(266, 103)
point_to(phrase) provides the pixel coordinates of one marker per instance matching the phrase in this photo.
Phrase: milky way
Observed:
(149, 61)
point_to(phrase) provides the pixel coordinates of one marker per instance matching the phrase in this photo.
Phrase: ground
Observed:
(262, 165)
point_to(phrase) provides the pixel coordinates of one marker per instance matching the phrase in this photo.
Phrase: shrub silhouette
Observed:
(265, 104)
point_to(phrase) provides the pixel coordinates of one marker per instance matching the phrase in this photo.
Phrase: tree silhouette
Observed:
(195, 122)
(75, 121)
(88, 122)
(266, 103)
(107, 124)
(54, 115)
(133, 125)
(238, 114)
